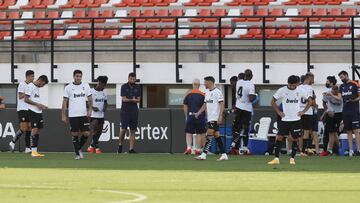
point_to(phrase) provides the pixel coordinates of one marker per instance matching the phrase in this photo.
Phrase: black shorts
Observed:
(333, 123)
(241, 121)
(36, 120)
(315, 127)
(79, 124)
(100, 121)
(129, 120)
(307, 122)
(292, 128)
(351, 121)
(195, 126)
(23, 116)
(213, 125)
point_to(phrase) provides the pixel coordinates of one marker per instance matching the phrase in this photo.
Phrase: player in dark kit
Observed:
(97, 115)
(290, 124)
(23, 113)
(32, 97)
(76, 95)
(350, 92)
(130, 94)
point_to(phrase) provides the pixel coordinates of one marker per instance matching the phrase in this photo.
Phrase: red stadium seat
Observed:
(33, 4)
(5, 5)
(160, 13)
(109, 33)
(252, 32)
(173, 13)
(202, 12)
(12, 15)
(97, 3)
(38, 14)
(4, 34)
(246, 12)
(195, 31)
(304, 12)
(139, 32)
(348, 12)
(92, 14)
(319, 12)
(124, 3)
(217, 13)
(31, 34)
(71, 4)
(132, 13)
(78, 14)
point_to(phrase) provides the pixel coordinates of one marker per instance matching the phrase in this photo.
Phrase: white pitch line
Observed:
(138, 197)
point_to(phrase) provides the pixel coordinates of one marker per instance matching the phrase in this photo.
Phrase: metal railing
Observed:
(220, 23)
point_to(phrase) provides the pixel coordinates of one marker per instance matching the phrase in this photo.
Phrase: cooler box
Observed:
(258, 146)
(345, 144)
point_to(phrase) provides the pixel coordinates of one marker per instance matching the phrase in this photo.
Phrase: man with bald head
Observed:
(193, 101)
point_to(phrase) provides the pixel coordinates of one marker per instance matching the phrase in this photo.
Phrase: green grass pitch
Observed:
(160, 178)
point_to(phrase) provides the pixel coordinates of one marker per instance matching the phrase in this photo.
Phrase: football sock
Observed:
(220, 144)
(75, 141)
(207, 145)
(120, 149)
(28, 139)
(294, 149)
(83, 140)
(34, 140)
(17, 136)
(277, 148)
(305, 145)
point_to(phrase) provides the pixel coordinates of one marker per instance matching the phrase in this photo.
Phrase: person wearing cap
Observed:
(193, 101)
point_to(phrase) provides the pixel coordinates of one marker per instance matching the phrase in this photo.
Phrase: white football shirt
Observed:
(77, 96)
(310, 92)
(212, 100)
(98, 98)
(21, 104)
(244, 88)
(290, 100)
(33, 92)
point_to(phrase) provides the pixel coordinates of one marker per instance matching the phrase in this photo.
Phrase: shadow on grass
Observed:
(179, 162)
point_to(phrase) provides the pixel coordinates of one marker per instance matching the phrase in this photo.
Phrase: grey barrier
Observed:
(159, 131)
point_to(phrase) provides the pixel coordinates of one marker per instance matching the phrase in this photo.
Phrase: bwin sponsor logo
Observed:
(292, 101)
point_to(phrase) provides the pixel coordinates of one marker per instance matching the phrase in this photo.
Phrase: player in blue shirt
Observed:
(350, 92)
(193, 102)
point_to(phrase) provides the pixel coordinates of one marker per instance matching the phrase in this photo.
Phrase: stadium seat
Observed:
(173, 13)
(139, 32)
(251, 33)
(78, 14)
(132, 13)
(5, 4)
(30, 34)
(200, 2)
(319, 12)
(71, 4)
(11, 15)
(306, 12)
(347, 12)
(33, 4)
(4, 34)
(160, 13)
(195, 31)
(202, 12)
